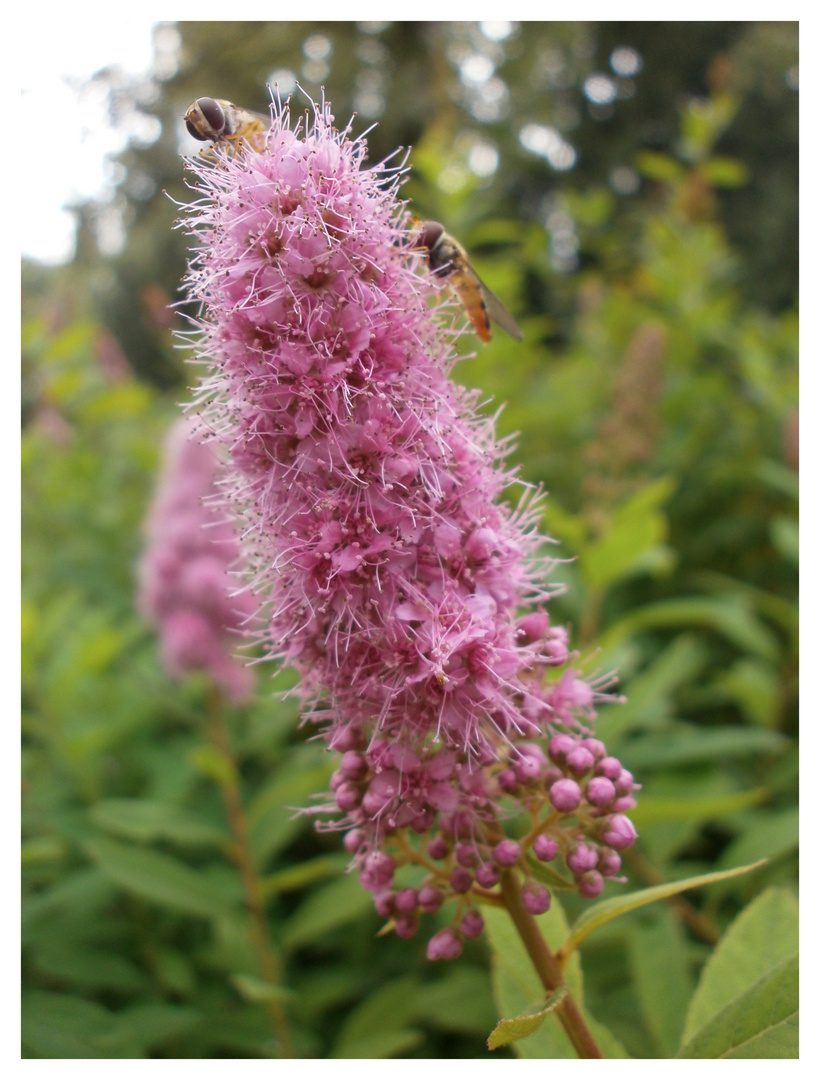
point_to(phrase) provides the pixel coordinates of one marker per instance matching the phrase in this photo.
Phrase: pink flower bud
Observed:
(531, 764)
(609, 767)
(609, 862)
(406, 926)
(590, 884)
(445, 945)
(461, 880)
(466, 855)
(354, 765)
(506, 853)
(619, 833)
(348, 796)
(407, 900)
(486, 875)
(560, 746)
(565, 796)
(532, 627)
(430, 898)
(600, 791)
(438, 848)
(353, 840)
(579, 761)
(595, 747)
(544, 848)
(535, 898)
(508, 781)
(385, 903)
(582, 858)
(377, 871)
(472, 924)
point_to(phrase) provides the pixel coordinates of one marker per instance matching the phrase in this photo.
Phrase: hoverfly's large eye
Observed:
(430, 232)
(213, 116)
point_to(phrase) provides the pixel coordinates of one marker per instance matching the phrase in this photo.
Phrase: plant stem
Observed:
(548, 969)
(241, 856)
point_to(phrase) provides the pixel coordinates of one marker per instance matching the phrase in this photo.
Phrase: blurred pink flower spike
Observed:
(186, 584)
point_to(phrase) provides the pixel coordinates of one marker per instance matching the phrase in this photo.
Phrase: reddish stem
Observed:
(548, 969)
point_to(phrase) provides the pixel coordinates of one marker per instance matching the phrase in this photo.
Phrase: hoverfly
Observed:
(447, 259)
(222, 122)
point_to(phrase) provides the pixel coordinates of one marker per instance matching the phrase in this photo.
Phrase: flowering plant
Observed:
(411, 599)
(186, 584)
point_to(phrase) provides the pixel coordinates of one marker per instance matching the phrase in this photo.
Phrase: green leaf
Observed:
(689, 744)
(461, 1001)
(303, 874)
(756, 687)
(377, 1024)
(341, 902)
(89, 968)
(382, 1044)
(762, 1022)
(44, 849)
(61, 1026)
(258, 990)
(217, 766)
(636, 527)
(657, 166)
(157, 877)
(651, 810)
(599, 914)
(144, 820)
(153, 1024)
(82, 894)
(174, 971)
(732, 617)
(762, 936)
(520, 1027)
(785, 536)
(767, 836)
(658, 958)
(725, 172)
(272, 821)
(649, 693)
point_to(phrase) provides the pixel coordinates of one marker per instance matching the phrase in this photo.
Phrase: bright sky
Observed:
(66, 57)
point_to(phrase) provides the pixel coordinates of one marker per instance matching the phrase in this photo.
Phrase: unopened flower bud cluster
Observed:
(370, 488)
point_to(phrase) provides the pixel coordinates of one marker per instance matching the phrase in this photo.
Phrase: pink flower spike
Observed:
(400, 581)
(186, 585)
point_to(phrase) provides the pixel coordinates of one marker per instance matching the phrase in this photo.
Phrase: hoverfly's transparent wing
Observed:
(251, 124)
(498, 313)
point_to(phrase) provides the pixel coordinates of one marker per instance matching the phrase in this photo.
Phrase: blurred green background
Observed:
(630, 191)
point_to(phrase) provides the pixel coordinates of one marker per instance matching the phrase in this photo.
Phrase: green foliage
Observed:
(520, 1027)
(655, 398)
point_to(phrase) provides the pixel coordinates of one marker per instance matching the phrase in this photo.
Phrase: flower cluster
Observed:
(185, 584)
(370, 488)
